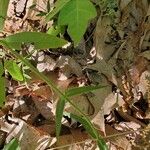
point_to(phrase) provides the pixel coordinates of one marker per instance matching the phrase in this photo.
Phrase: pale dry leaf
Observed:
(40, 5)
(47, 64)
(29, 137)
(68, 66)
(138, 67)
(102, 36)
(143, 84)
(118, 141)
(99, 121)
(112, 101)
(29, 19)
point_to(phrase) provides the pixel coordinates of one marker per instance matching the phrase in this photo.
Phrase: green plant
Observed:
(108, 7)
(3, 12)
(12, 145)
(2, 85)
(74, 14)
(65, 98)
(80, 12)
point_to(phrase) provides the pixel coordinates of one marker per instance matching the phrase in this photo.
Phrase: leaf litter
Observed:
(119, 41)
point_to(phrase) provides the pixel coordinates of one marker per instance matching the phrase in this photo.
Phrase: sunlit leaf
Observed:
(59, 115)
(59, 4)
(14, 70)
(39, 39)
(12, 145)
(3, 12)
(54, 31)
(81, 90)
(76, 14)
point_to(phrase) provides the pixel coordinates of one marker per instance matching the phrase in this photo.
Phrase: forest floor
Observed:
(115, 51)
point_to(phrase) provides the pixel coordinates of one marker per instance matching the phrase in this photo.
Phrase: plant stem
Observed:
(51, 84)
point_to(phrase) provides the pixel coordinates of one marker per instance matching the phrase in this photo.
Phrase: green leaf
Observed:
(81, 90)
(58, 6)
(91, 130)
(2, 91)
(86, 124)
(14, 70)
(2, 85)
(12, 145)
(64, 98)
(32, 6)
(76, 14)
(102, 144)
(1, 68)
(48, 6)
(3, 12)
(39, 39)
(54, 30)
(59, 115)
(42, 13)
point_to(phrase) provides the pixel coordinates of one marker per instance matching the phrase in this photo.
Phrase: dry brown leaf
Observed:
(46, 64)
(68, 66)
(82, 102)
(118, 141)
(102, 36)
(124, 4)
(29, 137)
(137, 69)
(44, 106)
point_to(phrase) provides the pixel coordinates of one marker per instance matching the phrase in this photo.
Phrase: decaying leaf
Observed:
(28, 136)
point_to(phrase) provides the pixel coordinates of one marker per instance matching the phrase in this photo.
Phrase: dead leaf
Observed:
(102, 38)
(120, 141)
(68, 66)
(82, 103)
(29, 137)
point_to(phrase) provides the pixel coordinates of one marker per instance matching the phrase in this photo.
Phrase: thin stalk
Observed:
(51, 84)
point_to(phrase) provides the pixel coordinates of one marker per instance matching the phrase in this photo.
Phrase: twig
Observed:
(106, 138)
